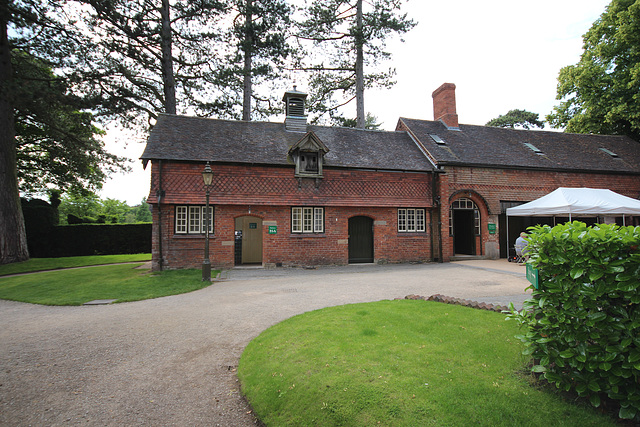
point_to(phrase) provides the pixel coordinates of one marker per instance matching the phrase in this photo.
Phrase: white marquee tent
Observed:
(578, 202)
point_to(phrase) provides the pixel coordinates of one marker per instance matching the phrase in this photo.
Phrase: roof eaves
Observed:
(538, 168)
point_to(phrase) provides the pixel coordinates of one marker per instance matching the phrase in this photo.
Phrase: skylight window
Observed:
(609, 152)
(534, 148)
(437, 139)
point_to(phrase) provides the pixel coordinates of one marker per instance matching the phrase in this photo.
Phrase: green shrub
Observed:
(583, 323)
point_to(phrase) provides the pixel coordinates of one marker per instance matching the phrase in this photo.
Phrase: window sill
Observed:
(303, 235)
(412, 234)
(193, 236)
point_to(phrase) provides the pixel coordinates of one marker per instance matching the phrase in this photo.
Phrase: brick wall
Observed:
(286, 248)
(269, 193)
(487, 187)
(182, 183)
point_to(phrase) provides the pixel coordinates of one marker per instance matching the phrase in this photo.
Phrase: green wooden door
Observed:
(360, 239)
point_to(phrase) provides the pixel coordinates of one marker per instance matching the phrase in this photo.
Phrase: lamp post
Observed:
(207, 177)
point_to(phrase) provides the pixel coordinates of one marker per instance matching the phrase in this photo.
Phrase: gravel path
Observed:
(172, 360)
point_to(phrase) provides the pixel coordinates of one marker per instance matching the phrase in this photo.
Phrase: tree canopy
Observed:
(147, 57)
(346, 37)
(58, 145)
(601, 93)
(517, 119)
(256, 47)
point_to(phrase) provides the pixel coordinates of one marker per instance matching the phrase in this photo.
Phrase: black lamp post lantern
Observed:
(207, 177)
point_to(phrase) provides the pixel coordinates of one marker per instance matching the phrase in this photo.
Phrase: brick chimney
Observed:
(444, 105)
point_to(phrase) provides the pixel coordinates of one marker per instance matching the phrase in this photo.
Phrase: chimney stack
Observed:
(444, 105)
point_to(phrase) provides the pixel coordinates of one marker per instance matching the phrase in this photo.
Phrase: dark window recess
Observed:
(309, 162)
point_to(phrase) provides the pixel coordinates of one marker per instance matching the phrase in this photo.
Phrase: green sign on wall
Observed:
(492, 228)
(273, 229)
(532, 276)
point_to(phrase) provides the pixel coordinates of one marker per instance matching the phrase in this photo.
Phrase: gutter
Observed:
(159, 195)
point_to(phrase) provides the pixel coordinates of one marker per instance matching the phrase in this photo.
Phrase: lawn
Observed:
(42, 264)
(399, 363)
(119, 282)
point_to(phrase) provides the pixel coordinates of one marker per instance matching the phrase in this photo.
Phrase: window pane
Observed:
(296, 220)
(181, 219)
(194, 219)
(318, 220)
(309, 162)
(402, 220)
(204, 218)
(411, 220)
(420, 220)
(307, 220)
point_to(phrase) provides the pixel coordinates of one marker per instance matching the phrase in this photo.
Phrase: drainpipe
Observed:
(159, 194)
(436, 213)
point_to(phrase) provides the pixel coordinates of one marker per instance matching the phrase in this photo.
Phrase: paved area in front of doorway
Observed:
(498, 281)
(172, 360)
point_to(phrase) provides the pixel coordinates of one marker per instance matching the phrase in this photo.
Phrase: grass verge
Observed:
(399, 363)
(42, 264)
(120, 282)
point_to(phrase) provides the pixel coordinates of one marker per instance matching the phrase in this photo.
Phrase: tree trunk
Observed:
(248, 56)
(13, 240)
(168, 78)
(360, 115)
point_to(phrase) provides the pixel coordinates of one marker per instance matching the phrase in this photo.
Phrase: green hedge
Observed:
(45, 239)
(583, 323)
(89, 239)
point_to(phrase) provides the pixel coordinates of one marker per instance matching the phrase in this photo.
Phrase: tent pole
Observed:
(508, 255)
(623, 222)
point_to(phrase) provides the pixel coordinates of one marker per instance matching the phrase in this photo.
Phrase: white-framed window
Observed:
(411, 220)
(181, 219)
(307, 219)
(191, 219)
(194, 219)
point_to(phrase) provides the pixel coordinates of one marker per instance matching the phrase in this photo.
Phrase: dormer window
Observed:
(308, 156)
(309, 162)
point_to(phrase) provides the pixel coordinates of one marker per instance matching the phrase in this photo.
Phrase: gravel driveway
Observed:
(172, 360)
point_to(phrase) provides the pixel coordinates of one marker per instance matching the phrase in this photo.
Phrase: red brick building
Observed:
(292, 194)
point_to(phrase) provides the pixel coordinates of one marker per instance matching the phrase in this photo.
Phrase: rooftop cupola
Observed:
(296, 120)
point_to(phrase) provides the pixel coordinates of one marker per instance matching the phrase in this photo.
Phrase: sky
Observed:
(500, 54)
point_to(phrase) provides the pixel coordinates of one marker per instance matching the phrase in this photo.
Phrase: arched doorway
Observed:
(464, 226)
(360, 239)
(248, 240)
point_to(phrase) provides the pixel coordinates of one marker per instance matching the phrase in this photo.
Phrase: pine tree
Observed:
(345, 38)
(256, 46)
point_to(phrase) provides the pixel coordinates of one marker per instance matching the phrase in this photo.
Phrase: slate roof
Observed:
(498, 147)
(186, 138)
